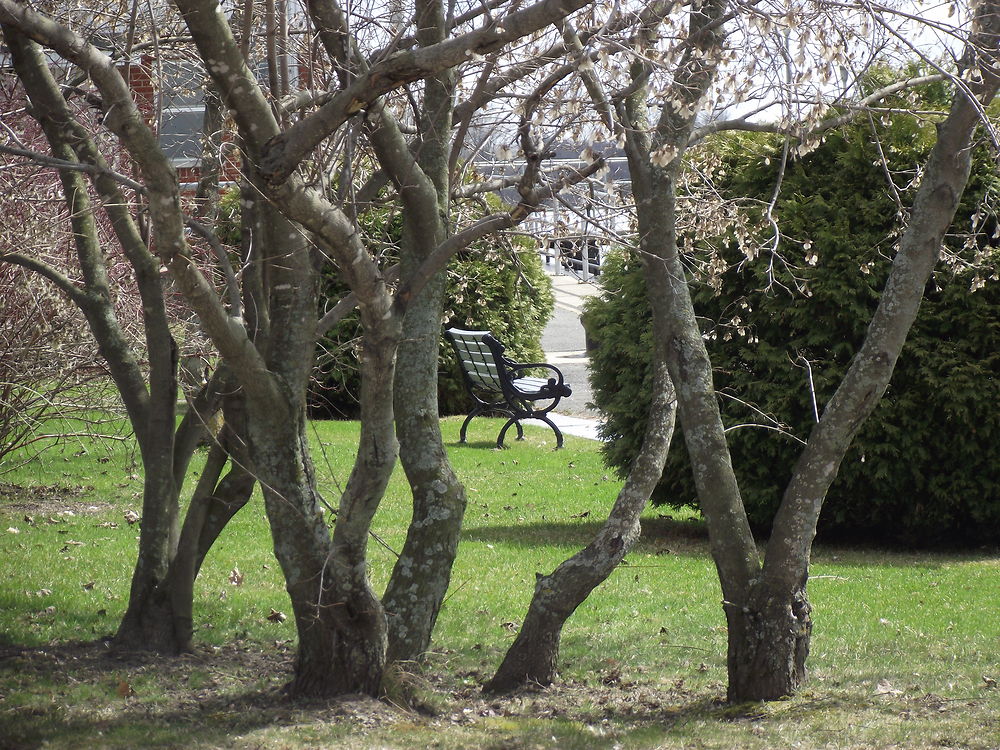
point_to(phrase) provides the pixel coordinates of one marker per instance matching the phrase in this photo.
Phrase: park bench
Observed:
(497, 384)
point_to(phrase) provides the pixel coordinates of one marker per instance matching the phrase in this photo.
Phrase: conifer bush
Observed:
(781, 330)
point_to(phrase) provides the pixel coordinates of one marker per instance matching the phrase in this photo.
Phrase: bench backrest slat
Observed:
(480, 356)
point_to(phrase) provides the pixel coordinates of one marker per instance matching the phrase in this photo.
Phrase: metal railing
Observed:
(577, 254)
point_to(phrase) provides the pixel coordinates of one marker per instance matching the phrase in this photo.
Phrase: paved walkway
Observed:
(565, 347)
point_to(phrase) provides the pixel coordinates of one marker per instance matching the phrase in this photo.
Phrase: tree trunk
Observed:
(213, 505)
(339, 621)
(183, 569)
(150, 414)
(340, 624)
(341, 646)
(533, 655)
(421, 576)
(356, 617)
(768, 645)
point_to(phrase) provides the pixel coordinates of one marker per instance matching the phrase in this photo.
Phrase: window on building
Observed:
(182, 101)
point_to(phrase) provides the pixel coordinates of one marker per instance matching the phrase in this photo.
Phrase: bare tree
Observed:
(269, 351)
(46, 357)
(48, 373)
(765, 603)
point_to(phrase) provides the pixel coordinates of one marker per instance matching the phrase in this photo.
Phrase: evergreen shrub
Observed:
(499, 286)
(925, 468)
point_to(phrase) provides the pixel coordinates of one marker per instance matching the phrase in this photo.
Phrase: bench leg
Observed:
(550, 423)
(520, 430)
(465, 426)
(503, 432)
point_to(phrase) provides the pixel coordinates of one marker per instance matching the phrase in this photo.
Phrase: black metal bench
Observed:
(496, 383)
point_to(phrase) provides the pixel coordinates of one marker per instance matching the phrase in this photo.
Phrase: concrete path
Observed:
(565, 347)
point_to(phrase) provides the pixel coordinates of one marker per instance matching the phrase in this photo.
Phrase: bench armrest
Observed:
(556, 386)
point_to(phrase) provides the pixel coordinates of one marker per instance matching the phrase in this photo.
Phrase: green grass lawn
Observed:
(905, 649)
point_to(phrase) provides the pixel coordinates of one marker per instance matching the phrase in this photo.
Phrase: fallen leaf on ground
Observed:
(885, 688)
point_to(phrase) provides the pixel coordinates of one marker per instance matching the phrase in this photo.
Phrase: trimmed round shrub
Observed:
(925, 467)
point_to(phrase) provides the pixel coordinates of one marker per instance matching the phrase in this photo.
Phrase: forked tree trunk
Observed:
(150, 406)
(339, 620)
(340, 625)
(533, 656)
(148, 620)
(767, 655)
(341, 644)
(213, 505)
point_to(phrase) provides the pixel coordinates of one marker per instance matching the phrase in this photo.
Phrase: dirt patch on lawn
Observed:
(48, 500)
(61, 693)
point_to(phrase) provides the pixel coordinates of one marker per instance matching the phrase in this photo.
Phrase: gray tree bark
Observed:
(421, 575)
(339, 620)
(532, 658)
(769, 636)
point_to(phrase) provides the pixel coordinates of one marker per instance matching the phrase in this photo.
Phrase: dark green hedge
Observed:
(925, 468)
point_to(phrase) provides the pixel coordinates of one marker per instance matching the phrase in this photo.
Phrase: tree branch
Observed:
(530, 202)
(284, 152)
(256, 123)
(53, 274)
(743, 123)
(45, 160)
(347, 303)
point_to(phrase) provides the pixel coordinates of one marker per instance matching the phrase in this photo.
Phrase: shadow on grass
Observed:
(659, 535)
(474, 445)
(689, 537)
(70, 694)
(538, 441)
(78, 695)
